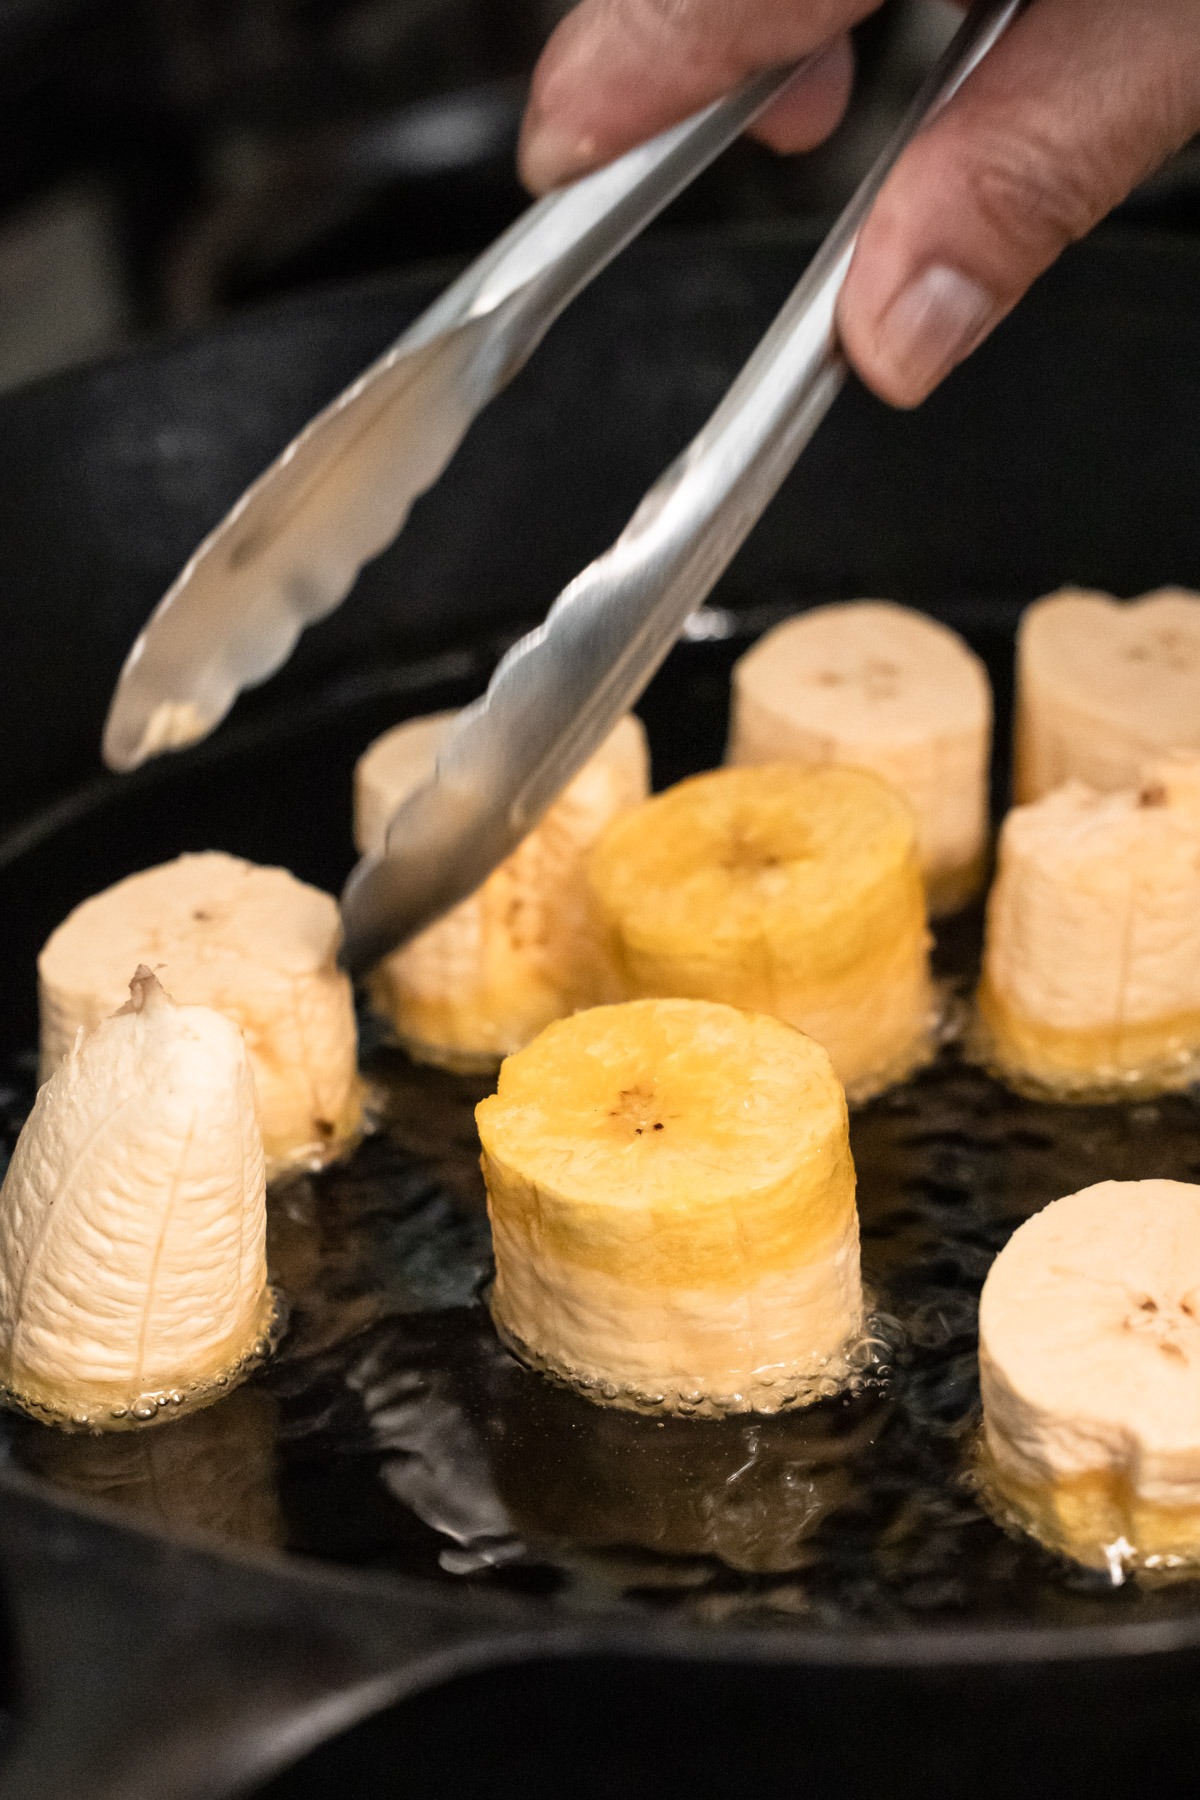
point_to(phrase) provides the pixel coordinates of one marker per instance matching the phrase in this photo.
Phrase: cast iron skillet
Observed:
(867, 1620)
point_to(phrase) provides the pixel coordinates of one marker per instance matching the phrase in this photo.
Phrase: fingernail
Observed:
(930, 326)
(550, 156)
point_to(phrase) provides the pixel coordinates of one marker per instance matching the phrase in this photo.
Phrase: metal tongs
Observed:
(292, 547)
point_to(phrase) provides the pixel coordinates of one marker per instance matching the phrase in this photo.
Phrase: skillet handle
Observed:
(151, 1669)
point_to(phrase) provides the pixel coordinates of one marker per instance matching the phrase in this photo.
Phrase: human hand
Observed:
(1080, 101)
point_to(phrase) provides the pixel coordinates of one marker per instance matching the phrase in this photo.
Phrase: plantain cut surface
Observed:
(1103, 687)
(878, 686)
(523, 949)
(253, 943)
(672, 1202)
(787, 890)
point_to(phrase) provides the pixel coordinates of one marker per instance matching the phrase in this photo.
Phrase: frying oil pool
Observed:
(392, 1431)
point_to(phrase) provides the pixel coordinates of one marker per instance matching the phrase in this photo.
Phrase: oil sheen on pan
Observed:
(392, 1431)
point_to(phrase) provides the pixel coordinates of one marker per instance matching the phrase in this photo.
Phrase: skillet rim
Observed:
(541, 1630)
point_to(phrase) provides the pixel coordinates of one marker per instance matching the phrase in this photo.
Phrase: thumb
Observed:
(1079, 101)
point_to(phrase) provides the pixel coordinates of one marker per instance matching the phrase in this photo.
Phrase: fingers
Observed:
(617, 71)
(811, 106)
(1077, 103)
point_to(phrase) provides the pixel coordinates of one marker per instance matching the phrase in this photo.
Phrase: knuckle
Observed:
(1033, 194)
(755, 30)
(674, 18)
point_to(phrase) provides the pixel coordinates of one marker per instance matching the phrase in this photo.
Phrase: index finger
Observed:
(615, 72)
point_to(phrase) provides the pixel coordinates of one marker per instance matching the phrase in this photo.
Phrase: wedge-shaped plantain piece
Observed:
(877, 686)
(787, 890)
(1103, 687)
(524, 949)
(255, 944)
(133, 1274)
(1089, 1347)
(1091, 966)
(672, 1204)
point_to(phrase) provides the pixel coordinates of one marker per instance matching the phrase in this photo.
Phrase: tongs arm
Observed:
(292, 547)
(558, 693)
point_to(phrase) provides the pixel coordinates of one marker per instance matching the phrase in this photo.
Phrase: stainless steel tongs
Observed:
(292, 547)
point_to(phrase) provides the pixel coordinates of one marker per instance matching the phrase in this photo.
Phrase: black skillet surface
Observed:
(392, 1435)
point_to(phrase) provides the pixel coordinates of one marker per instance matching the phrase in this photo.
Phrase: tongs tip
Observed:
(133, 733)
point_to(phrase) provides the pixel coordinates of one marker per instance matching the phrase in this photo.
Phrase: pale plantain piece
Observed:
(255, 944)
(1103, 687)
(1091, 964)
(524, 949)
(1089, 1345)
(787, 890)
(133, 1272)
(672, 1203)
(878, 686)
